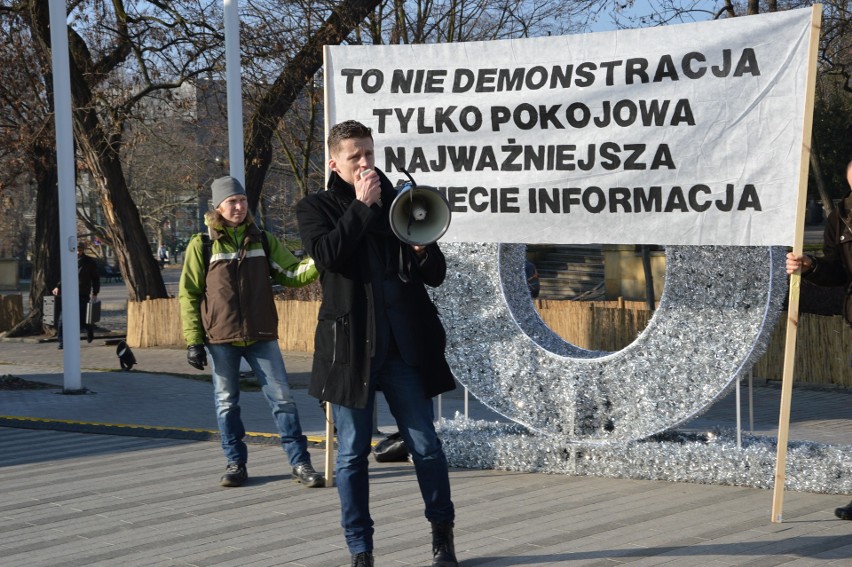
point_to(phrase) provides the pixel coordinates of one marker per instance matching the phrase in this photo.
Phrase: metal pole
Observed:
(751, 401)
(466, 396)
(739, 423)
(67, 196)
(233, 78)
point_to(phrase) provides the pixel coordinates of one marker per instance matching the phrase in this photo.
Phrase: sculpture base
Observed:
(705, 458)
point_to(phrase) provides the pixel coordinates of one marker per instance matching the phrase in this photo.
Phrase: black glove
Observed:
(196, 356)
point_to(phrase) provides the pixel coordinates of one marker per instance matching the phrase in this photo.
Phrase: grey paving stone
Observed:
(102, 499)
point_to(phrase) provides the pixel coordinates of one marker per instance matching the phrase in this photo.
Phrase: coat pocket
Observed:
(333, 339)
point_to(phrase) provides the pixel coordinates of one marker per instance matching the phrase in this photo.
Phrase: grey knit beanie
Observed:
(225, 187)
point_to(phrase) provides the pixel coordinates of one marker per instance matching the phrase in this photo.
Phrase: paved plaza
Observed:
(126, 474)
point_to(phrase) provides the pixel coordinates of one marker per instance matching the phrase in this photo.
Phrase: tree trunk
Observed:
(753, 7)
(135, 258)
(819, 179)
(46, 270)
(649, 277)
(288, 85)
(101, 154)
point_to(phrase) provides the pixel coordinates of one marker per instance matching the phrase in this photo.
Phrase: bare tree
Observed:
(122, 54)
(831, 143)
(284, 120)
(278, 98)
(166, 163)
(28, 158)
(831, 146)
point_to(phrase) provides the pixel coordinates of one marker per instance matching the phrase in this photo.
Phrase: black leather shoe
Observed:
(90, 334)
(235, 475)
(305, 473)
(363, 559)
(443, 546)
(844, 513)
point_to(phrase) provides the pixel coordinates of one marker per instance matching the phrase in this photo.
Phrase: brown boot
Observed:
(443, 547)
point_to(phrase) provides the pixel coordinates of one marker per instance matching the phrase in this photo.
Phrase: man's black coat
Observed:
(337, 231)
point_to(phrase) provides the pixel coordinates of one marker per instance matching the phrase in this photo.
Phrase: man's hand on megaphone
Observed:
(421, 253)
(368, 189)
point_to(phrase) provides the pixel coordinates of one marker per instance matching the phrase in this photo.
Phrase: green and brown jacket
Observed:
(231, 300)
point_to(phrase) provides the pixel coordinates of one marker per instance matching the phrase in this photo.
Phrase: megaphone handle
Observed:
(410, 211)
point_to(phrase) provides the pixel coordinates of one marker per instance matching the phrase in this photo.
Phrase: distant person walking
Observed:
(89, 285)
(228, 310)
(163, 255)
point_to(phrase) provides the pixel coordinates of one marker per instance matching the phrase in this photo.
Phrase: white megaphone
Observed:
(419, 215)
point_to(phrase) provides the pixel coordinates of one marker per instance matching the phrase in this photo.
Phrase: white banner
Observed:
(688, 134)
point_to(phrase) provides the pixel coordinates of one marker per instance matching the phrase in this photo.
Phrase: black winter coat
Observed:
(834, 268)
(336, 229)
(88, 276)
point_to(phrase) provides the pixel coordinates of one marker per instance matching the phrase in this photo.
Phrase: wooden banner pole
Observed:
(796, 278)
(329, 446)
(329, 414)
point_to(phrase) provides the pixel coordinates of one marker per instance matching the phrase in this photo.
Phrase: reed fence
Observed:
(595, 325)
(822, 350)
(823, 347)
(156, 322)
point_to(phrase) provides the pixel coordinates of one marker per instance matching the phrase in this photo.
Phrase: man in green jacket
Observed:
(228, 310)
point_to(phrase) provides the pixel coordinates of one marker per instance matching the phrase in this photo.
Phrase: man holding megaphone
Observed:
(377, 329)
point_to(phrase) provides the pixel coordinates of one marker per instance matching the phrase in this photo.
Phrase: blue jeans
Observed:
(402, 387)
(265, 360)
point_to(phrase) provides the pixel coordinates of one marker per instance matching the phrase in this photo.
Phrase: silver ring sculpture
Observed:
(713, 322)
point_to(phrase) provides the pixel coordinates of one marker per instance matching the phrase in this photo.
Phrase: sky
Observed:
(644, 7)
